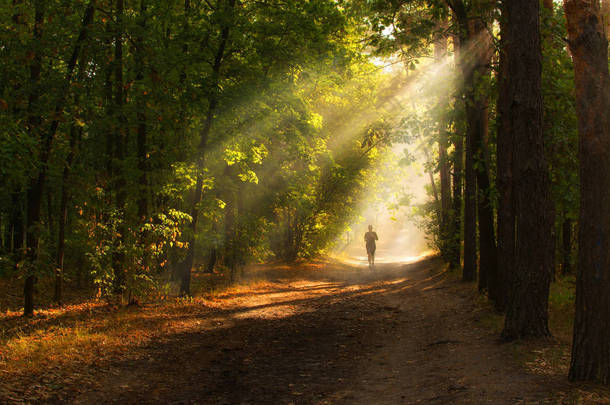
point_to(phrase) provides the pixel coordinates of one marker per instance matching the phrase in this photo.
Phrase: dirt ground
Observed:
(329, 334)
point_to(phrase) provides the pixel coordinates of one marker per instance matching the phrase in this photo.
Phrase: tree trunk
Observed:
(504, 178)
(187, 264)
(35, 189)
(437, 202)
(480, 132)
(589, 47)
(141, 117)
(470, 192)
(440, 53)
(63, 215)
(527, 312)
(456, 220)
(465, 65)
(120, 135)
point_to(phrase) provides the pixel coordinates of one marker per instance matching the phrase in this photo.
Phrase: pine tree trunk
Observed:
(504, 178)
(527, 311)
(589, 47)
(470, 191)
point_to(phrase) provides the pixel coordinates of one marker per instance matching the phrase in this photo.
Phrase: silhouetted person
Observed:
(370, 237)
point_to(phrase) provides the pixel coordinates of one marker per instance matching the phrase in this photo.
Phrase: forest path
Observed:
(332, 334)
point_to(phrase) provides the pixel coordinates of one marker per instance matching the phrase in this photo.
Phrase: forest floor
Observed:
(317, 333)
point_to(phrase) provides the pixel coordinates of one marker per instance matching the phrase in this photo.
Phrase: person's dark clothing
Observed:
(370, 238)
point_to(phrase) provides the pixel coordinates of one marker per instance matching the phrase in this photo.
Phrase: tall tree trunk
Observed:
(187, 264)
(440, 53)
(470, 217)
(141, 117)
(35, 189)
(470, 192)
(456, 207)
(589, 46)
(75, 132)
(527, 312)
(504, 178)
(480, 133)
(437, 202)
(120, 134)
(63, 216)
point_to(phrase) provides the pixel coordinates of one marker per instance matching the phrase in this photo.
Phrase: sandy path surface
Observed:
(331, 334)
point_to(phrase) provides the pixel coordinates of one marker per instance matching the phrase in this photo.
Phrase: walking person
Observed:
(370, 237)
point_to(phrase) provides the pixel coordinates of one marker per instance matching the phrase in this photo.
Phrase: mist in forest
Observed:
(390, 208)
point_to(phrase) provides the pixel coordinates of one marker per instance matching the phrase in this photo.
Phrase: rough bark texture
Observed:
(527, 311)
(589, 47)
(504, 179)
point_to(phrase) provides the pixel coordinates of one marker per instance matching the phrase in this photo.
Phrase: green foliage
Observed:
(276, 106)
(276, 79)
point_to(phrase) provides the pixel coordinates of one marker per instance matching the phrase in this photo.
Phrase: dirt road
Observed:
(331, 334)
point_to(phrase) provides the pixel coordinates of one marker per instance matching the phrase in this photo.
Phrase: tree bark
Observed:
(504, 178)
(589, 47)
(527, 312)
